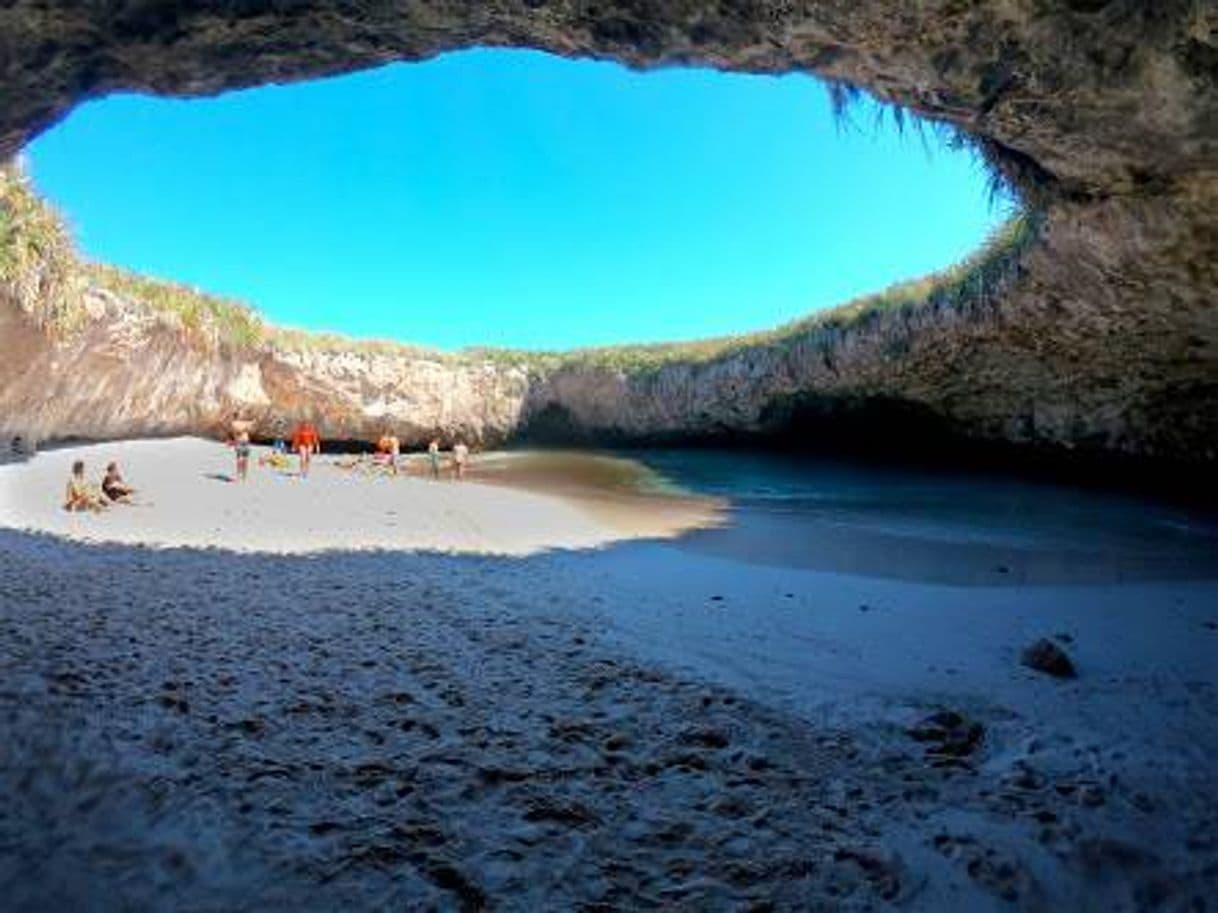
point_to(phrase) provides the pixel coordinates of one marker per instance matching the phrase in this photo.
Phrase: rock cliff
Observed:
(1102, 113)
(132, 372)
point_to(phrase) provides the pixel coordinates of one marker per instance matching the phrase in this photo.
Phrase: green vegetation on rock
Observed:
(290, 339)
(215, 320)
(41, 269)
(973, 281)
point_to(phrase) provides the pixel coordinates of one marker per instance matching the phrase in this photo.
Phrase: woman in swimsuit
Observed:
(79, 496)
(113, 486)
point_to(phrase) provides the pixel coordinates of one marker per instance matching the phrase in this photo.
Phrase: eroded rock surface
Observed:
(135, 373)
(1104, 114)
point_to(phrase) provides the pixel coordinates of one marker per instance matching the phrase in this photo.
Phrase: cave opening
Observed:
(511, 199)
(713, 667)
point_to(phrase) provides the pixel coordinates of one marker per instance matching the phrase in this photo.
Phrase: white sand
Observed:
(873, 656)
(638, 726)
(188, 499)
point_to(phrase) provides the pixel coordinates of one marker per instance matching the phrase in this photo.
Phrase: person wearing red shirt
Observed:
(306, 442)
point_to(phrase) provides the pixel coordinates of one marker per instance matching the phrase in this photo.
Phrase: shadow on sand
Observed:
(189, 728)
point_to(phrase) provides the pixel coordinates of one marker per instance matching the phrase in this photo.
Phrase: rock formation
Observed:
(1102, 113)
(1047, 657)
(131, 372)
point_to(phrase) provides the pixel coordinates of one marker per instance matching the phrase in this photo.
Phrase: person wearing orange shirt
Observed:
(389, 447)
(306, 442)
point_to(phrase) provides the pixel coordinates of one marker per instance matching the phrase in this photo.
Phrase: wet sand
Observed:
(640, 725)
(620, 493)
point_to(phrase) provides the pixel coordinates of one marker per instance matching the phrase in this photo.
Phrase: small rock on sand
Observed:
(1046, 656)
(949, 735)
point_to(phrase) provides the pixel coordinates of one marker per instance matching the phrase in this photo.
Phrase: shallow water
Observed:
(807, 512)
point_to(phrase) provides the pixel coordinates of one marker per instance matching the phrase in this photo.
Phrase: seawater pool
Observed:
(949, 527)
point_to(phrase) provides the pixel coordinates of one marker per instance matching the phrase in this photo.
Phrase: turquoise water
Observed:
(940, 527)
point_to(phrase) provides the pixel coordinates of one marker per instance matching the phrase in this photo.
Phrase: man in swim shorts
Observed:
(395, 451)
(460, 458)
(433, 454)
(240, 429)
(306, 442)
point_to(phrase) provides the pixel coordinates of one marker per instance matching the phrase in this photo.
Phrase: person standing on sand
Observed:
(395, 451)
(391, 447)
(306, 442)
(433, 454)
(240, 429)
(460, 458)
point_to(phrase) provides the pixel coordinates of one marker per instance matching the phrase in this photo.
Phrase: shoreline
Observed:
(633, 726)
(187, 497)
(641, 723)
(925, 446)
(1186, 484)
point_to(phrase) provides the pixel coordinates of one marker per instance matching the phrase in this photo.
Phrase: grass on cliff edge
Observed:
(43, 272)
(46, 276)
(971, 282)
(39, 267)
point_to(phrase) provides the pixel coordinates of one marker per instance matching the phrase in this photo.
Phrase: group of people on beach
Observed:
(306, 443)
(389, 449)
(305, 440)
(81, 496)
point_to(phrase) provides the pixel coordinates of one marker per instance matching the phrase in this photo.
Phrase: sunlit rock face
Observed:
(1098, 343)
(134, 373)
(1103, 96)
(1105, 114)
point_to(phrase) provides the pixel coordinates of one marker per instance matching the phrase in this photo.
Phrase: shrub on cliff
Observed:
(38, 263)
(208, 319)
(974, 281)
(41, 270)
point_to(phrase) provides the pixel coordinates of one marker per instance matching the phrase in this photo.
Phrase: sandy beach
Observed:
(188, 497)
(212, 709)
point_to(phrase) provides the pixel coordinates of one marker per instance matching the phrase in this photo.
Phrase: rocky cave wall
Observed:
(1103, 114)
(134, 372)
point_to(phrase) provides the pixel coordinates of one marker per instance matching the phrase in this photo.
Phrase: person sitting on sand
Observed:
(241, 429)
(276, 459)
(460, 458)
(305, 443)
(79, 496)
(433, 454)
(279, 446)
(114, 487)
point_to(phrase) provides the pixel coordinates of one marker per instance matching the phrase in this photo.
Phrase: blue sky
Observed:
(511, 198)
